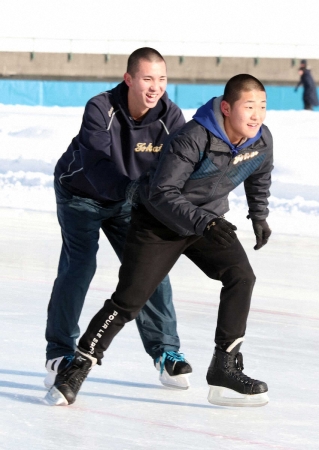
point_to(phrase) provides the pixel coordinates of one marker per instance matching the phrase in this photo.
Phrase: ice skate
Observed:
(229, 386)
(174, 370)
(55, 366)
(69, 381)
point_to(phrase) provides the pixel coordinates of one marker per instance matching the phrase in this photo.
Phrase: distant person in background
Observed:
(310, 96)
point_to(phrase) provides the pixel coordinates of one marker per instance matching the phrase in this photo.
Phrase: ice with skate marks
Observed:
(55, 398)
(227, 397)
(174, 382)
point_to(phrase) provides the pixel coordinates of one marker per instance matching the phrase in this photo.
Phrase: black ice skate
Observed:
(229, 386)
(174, 370)
(69, 381)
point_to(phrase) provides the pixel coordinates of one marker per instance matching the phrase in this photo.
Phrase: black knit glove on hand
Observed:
(262, 232)
(131, 193)
(221, 232)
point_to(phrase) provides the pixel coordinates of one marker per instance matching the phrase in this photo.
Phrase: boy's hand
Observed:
(221, 232)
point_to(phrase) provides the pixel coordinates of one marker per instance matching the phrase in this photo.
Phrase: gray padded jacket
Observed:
(197, 170)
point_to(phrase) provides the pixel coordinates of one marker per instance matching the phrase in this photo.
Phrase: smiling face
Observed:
(244, 118)
(146, 87)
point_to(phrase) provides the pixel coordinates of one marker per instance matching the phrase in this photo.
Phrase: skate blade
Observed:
(177, 382)
(227, 397)
(55, 398)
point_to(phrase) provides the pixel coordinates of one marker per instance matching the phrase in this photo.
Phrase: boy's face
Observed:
(245, 117)
(146, 87)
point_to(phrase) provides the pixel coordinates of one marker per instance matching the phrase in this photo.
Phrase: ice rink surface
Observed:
(122, 405)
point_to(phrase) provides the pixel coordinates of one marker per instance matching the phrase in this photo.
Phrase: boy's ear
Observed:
(128, 79)
(225, 108)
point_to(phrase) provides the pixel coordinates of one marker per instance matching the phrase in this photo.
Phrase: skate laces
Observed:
(75, 375)
(236, 369)
(171, 356)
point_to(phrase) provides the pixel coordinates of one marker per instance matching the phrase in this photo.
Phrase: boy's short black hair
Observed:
(241, 83)
(146, 53)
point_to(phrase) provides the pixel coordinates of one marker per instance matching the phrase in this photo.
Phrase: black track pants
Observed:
(151, 251)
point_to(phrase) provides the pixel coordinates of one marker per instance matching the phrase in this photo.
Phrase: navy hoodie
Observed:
(111, 148)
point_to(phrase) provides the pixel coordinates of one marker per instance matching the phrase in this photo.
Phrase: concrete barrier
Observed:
(189, 69)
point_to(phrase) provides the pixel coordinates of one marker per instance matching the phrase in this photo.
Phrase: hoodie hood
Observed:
(210, 117)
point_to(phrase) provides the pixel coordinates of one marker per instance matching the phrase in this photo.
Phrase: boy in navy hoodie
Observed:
(180, 210)
(122, 133)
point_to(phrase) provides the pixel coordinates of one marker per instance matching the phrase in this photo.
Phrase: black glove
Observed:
(131, 193)
(262, 232)
(221, 232)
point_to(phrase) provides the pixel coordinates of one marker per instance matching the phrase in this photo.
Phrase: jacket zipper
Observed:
(221, 176)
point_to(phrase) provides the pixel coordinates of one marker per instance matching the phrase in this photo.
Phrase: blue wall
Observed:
(77, 93)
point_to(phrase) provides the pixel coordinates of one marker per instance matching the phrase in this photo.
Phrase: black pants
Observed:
(151, 251)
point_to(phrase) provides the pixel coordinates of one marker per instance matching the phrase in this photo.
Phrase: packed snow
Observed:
(33, 138)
